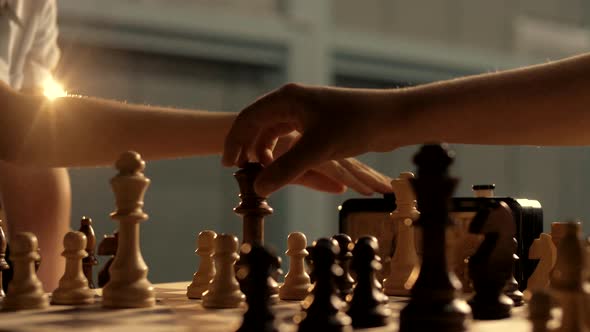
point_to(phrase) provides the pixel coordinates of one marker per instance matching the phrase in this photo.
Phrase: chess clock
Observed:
(370, 216)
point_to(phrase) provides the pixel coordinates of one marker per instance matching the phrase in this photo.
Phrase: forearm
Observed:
(81, 131)
(540, 105)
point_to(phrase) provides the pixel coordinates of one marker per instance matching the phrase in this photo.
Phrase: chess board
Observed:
(174, 312)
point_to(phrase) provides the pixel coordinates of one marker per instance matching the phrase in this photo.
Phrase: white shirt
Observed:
(28, 53)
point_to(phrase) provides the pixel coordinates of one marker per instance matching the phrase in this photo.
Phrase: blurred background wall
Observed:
(221, 54)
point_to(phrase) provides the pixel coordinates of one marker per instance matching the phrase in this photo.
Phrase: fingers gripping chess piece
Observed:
(434, 305)
(3, 264)
(73, 286)
(567, 281)
(206, 271)
(494, 254)
(224, 290)
(25, 290)
(297, 281)
(90, 261)
(404, 259)
(128, 286)
(253, 208)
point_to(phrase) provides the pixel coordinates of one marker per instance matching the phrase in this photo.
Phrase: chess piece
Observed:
(366, 308)
(206, 271)
(107, 247)
(309, 264)
(276, 273)
(297, 281)
(540, 311)
(511, 289)
(434, 303)
(559, 228)
(257, 266)
(25, 290)
(567, 281)
(544, 250)
(3, 264)
(90, 261)
(128, 286)
(494, 254)
(322, 308)
(253, 208)
(404, 259)
(465, 244)
(73, 287)
(344, 281)
(224, 290)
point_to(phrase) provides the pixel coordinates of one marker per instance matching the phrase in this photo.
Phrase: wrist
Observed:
(392, 122)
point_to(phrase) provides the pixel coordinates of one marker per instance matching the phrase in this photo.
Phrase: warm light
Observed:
(52, 89)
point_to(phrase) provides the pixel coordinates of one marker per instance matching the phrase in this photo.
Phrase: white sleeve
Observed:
(44, 53)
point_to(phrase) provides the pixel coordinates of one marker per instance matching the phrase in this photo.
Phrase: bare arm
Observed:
(538, 105)
(82, 131)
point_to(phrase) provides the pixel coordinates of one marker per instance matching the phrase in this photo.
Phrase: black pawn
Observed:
(491, 265)
(366, 308)
(107, 247)
(435, 304)
(344, 281)
(89, 261)
(322, 307)
(511, 290)
(258, 264)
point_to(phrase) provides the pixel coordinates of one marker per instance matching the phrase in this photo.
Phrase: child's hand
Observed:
(335, 124)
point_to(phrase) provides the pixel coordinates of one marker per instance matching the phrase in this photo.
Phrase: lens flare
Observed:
(53, 89)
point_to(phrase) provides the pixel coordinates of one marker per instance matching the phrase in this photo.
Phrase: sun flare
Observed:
(53, 89)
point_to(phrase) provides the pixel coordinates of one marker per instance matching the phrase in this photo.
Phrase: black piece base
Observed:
(440, 317)
(375, 318)
(336, 323)
(516, 297)
(491, 308)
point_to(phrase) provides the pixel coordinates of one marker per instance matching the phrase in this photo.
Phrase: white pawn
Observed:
(25, 290)
(206, 271)
(73, 286)
(297, 282)
(224, 290)
(404, 259)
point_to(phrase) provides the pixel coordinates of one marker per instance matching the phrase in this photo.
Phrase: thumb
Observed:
(305, 154)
